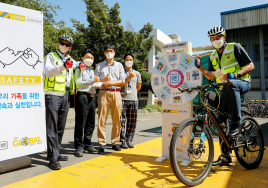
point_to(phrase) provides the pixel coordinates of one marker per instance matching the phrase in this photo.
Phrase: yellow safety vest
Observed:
(57, 85)
(228, 62)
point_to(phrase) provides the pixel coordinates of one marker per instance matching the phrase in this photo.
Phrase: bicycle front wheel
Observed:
(249, 149)
(190, 159)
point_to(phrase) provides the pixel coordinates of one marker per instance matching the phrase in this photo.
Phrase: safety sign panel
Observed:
(22, 104)
(173, 71)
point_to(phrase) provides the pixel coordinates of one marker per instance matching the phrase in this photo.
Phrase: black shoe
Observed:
(124, 145)
(130, 145)
(79, 152)
(63, 158)
(116, 147)
(54, 165)
(102, 148)
(91, 150)
(222, 160)
(235, 131)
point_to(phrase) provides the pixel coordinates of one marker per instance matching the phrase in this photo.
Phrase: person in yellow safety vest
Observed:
(58, 85)
(235, 64)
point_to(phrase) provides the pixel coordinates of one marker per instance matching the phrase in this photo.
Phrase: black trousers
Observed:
(85, 106)
(57, 109)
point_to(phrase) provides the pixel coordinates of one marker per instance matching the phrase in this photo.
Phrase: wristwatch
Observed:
(238, 75)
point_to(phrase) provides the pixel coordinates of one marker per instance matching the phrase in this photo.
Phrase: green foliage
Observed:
(146, 81)
(103, 28)
(153, 107)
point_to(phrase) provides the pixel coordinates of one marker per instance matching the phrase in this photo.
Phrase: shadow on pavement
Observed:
(156, 174)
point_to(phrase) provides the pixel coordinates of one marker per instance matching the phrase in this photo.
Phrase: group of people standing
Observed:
(118, 92)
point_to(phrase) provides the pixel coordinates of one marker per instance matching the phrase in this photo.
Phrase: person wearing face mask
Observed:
(112, 75)
(58, 86)
(234, 62)
(129, 102)
(85, 105)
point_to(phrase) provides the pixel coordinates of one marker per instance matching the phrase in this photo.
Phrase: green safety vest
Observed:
(57, 85)
(228, 62)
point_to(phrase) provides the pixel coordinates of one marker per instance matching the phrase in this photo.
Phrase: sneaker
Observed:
(79, 152)
(124, 145)
(91, 150)
(116, 147)
(102, 148)
(130, 145)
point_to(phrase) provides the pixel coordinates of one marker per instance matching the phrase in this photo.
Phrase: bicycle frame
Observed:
(213, 118)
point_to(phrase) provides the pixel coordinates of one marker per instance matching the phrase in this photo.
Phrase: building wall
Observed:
(249, 38)
(246, 18)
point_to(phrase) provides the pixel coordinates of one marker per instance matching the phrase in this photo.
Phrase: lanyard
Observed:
(88, 74)
(128, 84)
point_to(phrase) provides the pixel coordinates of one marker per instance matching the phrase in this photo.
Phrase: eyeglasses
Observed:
(67, 45)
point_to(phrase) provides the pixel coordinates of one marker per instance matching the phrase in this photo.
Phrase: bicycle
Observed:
(192, 149)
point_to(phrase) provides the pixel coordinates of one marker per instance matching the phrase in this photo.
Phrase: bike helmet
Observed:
(216, 31)
(66, 38)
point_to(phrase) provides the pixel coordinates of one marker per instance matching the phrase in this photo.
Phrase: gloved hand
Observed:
(68, 63)
(82, 65)
(231, 76)
(197, 62)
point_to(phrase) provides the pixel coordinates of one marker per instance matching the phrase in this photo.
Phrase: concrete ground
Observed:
(40, 164)
(132, 167)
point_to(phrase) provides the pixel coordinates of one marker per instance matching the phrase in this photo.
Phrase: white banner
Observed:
(22, 104)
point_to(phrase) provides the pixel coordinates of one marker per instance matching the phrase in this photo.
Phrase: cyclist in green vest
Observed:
(228, 61)
(58, 85)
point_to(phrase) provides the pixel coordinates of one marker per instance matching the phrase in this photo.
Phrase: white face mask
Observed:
(88, 62)
(129, 63)
(217, 43)
(109, 55)
(63, 49)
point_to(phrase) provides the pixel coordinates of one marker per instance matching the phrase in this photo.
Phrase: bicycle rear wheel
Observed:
(250, 148)
(190, 161)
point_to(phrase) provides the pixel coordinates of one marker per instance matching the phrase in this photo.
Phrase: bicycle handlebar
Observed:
(212, 85)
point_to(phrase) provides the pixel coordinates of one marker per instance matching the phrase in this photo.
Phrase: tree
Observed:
(104, 27)
(52, 29)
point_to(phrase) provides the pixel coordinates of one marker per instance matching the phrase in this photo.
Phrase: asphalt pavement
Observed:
(145, 123)
(135, 167)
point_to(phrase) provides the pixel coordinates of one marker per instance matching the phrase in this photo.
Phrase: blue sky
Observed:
(190, 19)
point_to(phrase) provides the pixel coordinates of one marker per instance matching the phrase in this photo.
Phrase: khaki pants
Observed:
(107, 100)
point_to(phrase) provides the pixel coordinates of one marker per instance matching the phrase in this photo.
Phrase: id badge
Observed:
(128, 89)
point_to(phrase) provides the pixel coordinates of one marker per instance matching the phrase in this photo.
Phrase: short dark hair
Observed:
(109, 46)
(128, 53)
(88, 51)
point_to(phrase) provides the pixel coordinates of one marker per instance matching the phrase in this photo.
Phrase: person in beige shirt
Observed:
(112, 75)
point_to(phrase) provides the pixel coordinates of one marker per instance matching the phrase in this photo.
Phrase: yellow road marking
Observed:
(137, 168)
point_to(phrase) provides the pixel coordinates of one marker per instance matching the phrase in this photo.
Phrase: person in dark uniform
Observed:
(58, 85)
(232, 61)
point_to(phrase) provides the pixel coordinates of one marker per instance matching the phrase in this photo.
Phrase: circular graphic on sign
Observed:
(24, 141)
(173, 71)
(175, 78)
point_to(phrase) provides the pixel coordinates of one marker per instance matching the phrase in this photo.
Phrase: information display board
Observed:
(22, 105)
(174, 71)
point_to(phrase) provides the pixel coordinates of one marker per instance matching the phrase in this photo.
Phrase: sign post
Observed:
(172, 71)
(22, 105)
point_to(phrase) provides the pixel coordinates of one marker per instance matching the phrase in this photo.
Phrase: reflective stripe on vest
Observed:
(57, 85)
(228, 62)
